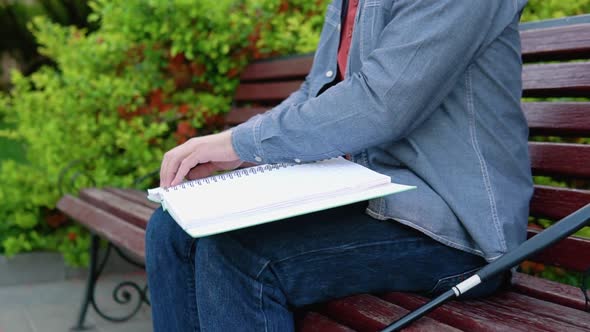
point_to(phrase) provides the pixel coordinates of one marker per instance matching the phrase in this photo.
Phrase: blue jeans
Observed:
(251, 279)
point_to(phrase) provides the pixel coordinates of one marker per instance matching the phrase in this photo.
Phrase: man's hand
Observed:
(198, 157)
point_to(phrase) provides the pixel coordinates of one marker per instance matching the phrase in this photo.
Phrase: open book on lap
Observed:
(260, 194)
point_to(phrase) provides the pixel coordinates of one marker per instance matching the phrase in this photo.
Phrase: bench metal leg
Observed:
(122, 294)
(90, 283)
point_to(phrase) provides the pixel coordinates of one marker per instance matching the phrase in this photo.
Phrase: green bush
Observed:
(21, 46)
(151, 75)
(546, 9)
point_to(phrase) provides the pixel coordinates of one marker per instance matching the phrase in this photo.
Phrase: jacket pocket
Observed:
(332, 15)
(371, 21)
(331, 25)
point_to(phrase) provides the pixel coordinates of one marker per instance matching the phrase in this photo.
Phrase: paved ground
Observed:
(53, 307)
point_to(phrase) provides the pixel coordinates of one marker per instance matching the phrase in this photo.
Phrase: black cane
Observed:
(547, 237)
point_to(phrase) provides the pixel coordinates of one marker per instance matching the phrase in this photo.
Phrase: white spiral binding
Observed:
(230, 175)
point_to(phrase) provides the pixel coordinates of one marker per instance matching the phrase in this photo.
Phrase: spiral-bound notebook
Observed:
(260, 194)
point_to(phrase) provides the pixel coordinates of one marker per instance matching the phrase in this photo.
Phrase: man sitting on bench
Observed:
(425, 91)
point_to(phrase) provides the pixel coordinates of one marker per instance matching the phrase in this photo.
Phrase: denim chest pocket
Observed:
(325, 55)
(331, 24)
(333, 15)
(372, 20)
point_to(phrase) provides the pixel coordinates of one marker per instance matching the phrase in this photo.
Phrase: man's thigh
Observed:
(339, 252)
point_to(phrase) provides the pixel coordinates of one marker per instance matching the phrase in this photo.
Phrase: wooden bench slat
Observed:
(565, 253)
(120, 232)
(282, 68)
(238, 115)
(133, 195)
(549, 291)
(480, 316)
(549, 159)
(265, 92)
(314, 322)
(369, 313)
(557, 43)
(131, 211)
(544, 118)
(556, 203)
(558, 119)
(567, 80)
(511, 300)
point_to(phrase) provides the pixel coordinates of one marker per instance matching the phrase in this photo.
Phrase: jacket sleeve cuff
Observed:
(246, 141)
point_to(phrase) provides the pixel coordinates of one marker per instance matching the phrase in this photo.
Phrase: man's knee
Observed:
(157, 228)
(210, 252)
(222, 256)
(163, 235)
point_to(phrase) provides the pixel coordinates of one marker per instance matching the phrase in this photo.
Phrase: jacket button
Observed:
(258, 159)
(329, 73)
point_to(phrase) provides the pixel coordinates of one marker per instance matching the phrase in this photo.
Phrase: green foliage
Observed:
(21, 46)
(9, 149)
(551, 273)
(152, 75)
(546, 9)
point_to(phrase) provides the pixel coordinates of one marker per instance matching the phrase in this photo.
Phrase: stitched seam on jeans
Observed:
(261, 309)
(192, 308)
(279, 285)
(262, 269)
(346, 247)
(482, 163)
(188, 250)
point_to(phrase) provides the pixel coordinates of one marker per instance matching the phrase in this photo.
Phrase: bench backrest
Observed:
(265, 83)
(556, 73)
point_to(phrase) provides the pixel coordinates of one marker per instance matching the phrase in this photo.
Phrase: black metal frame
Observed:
(121, 293)
(126, 293)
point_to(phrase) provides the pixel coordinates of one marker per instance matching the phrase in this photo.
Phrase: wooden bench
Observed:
(120, 215)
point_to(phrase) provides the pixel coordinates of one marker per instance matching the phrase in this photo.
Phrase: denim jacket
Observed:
(431, 98)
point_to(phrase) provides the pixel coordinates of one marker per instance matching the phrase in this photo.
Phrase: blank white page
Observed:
(261, 189)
